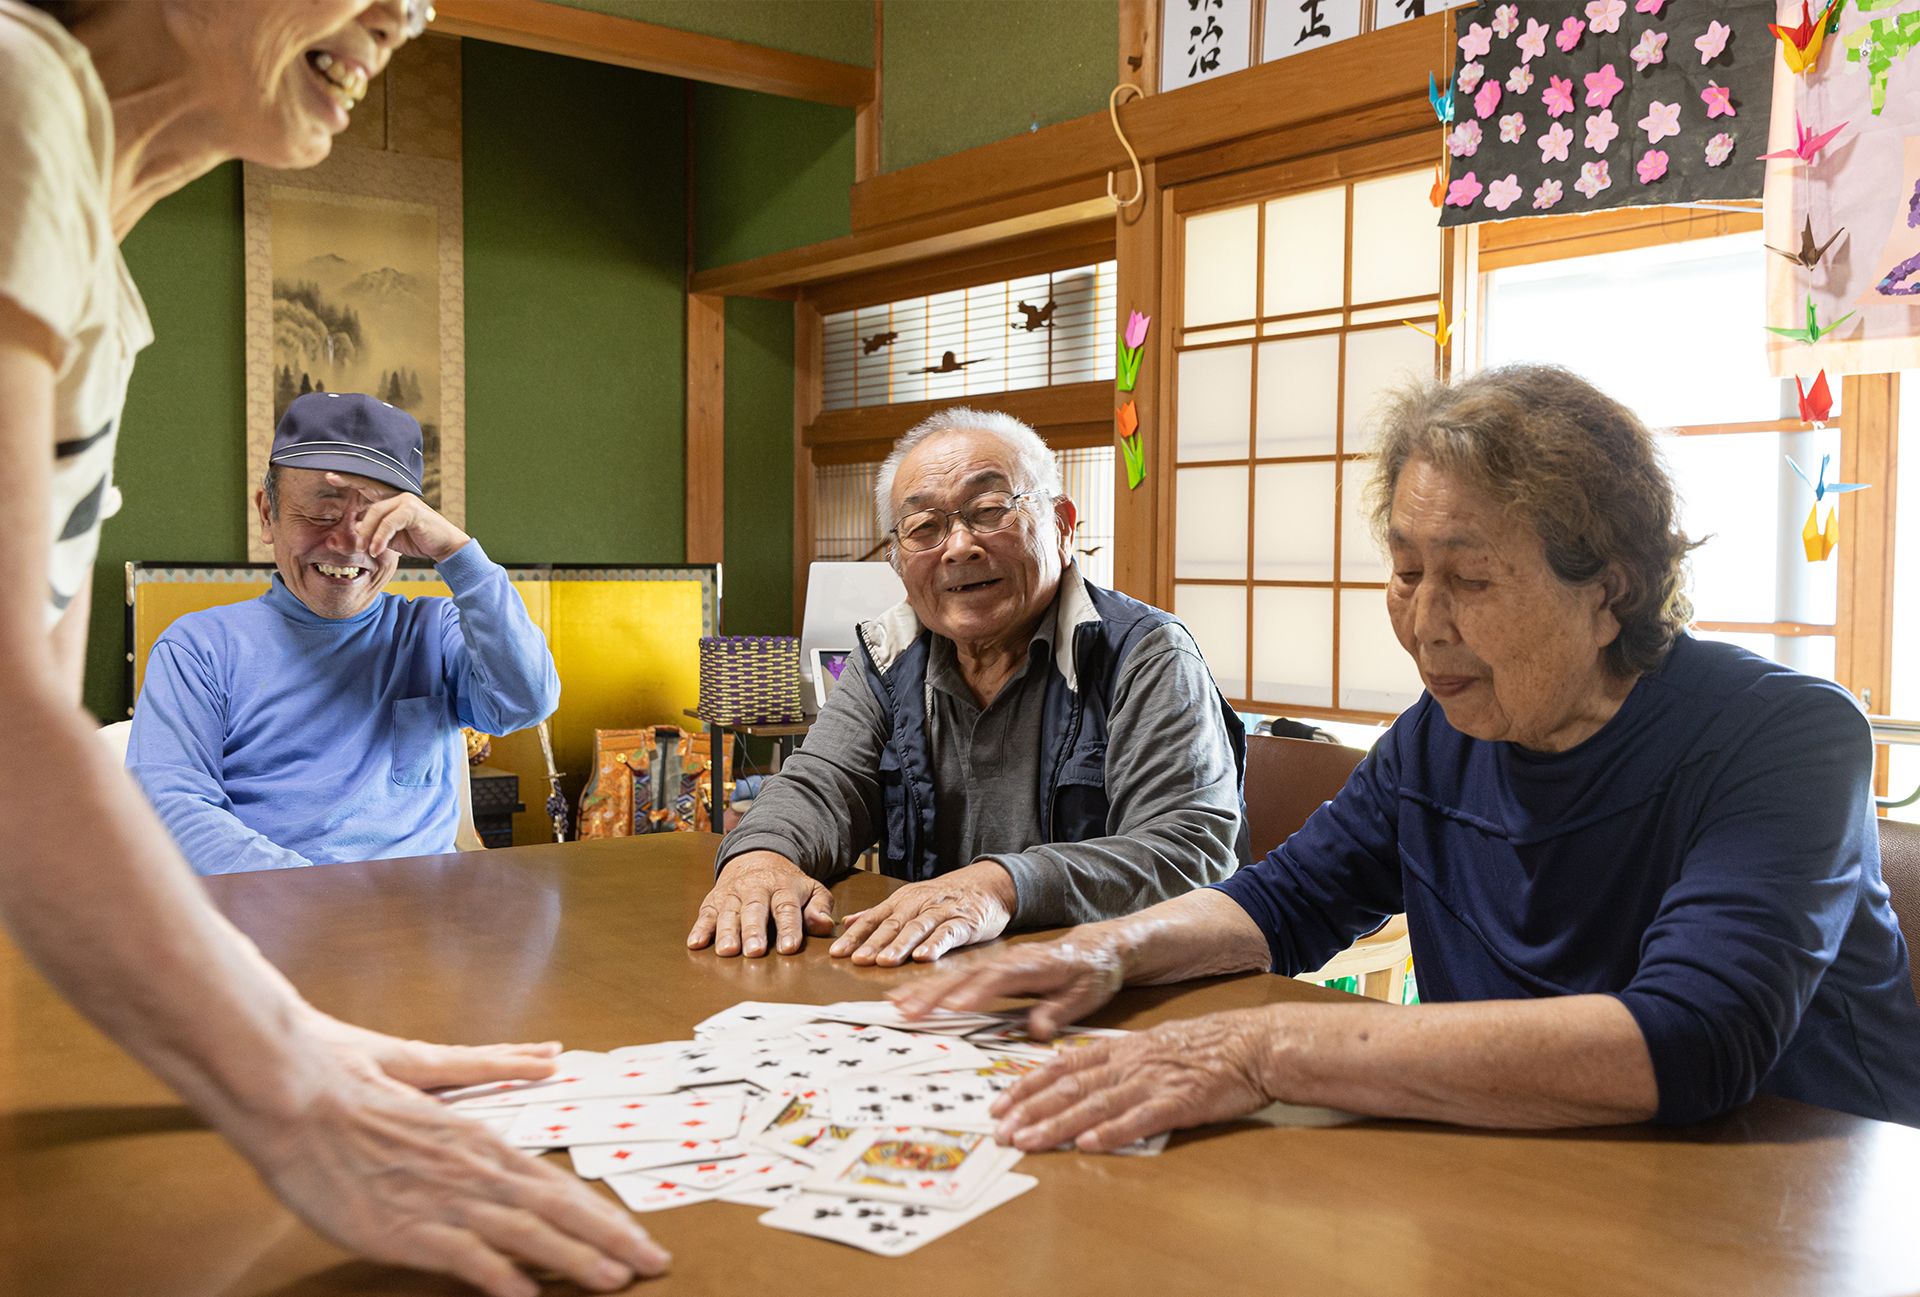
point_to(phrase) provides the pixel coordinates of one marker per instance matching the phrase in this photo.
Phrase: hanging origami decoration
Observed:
(1822, 488)
(1441, 330)
(1800, 45)
(1814, 330)
(1442, 104)
(1805, 143)
(1132, 349)
(1128, 420)
(1821, 542)
(1810, 252)
(1815, 406)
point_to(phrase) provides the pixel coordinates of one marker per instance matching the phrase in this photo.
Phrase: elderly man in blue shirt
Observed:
(321, 721)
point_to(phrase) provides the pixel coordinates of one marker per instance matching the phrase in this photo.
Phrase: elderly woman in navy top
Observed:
(1640, 870)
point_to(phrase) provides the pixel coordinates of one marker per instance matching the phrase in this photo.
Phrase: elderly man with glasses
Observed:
(1026, 748)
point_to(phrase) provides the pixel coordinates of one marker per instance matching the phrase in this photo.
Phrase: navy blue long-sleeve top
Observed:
(1709, 857)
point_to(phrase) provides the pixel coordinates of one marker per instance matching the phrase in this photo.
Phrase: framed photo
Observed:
(355, 283)
(827, 666)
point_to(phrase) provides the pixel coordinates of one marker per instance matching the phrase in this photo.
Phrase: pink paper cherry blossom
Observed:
(1602, 86)
(1652, 49)
(1533, 42)
(1520, 79)
(1477, 41)
(1553, 143)
(1469, 78)
(1502, 194)
(1569, 35)
(1487, 100)
(1593, 178)
(1605, 14)
(1513, 128)
(1558, 96)
(1661, 121)
(1601, 130)
(1464, 142)
(1505, 19)
(1649, 7)
(1463, 191)
(1719, 149)
(1651, 167)
(1713, 43)
(1547, 195)
(1719, 101)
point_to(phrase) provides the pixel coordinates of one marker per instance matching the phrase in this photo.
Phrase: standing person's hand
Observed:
(922, 921)
(400, 520)
(395, 1176)
(428, 1066)
(754, 887)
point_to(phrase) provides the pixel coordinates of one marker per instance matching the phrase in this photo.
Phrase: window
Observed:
(1033, 331)
(1290, 329)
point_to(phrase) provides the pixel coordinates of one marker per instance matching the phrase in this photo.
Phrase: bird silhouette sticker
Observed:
(949, 364)
(870, 345)
(1038, 317)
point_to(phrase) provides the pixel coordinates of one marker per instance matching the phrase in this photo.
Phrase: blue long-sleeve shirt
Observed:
(1709, 857)
(269, 737)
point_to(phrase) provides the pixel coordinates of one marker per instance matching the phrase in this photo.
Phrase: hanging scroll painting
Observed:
(1854, 195)
(1564, 107)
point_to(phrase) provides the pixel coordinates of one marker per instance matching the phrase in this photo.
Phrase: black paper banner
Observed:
(1544, 130)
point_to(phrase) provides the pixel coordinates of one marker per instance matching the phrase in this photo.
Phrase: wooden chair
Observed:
(1900, 866)
(1287, 780)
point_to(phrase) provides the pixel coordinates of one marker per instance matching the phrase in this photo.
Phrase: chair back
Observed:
(1287, 780)
(1900, 866)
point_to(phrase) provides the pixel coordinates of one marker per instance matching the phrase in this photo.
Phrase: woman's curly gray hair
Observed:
(1572, 462)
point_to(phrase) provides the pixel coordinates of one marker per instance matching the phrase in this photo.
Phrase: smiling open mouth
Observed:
(335, 573)
(347, 84)
(971, 586)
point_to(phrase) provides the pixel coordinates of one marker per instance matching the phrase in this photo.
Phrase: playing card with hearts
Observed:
(592, 1161)
(887, 1228)
(643, 1192)
(622, 1121)
(913, 1164)
(571, 1067)
(728, 1174)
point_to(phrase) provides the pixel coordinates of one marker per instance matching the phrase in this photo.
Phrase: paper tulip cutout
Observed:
(1823, 488)
(1128, 420)
(1131, 349)
(1815, 406)
(1820, 542)
(1805, 142)
(1814, 330)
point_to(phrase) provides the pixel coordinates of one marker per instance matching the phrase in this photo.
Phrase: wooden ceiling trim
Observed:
(601, 38)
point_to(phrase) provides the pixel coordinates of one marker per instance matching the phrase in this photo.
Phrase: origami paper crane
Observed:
(1442, 330)
(1131, 350)
(1815, 406)
(1810, 252)
(1823, 488)
(1814, 330)
(1442, 104)
(1129, 421)
(1819, 543)
(1800, 45)
(1805, 142)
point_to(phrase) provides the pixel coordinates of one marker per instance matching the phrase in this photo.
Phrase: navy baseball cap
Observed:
(350, 432)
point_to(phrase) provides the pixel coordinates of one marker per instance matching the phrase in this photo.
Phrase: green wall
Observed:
(768, 174)
(182, 458)
(961, 73)
(840, 30)
(759, 456)
(575, 251)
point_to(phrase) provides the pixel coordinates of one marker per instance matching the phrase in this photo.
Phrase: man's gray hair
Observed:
(1034, 466)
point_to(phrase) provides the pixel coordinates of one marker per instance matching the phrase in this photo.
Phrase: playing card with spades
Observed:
(886, 1228)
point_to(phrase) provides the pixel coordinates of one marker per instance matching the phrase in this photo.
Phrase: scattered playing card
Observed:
(643, 1192)
(886, 1228)
(882, 1013)
(750, 1171)
(754, 1018)
(573, 1066)
(592, 1161)
(1015, 1040)
(946, 1100)
(622, 1121)
(767, 1195)
(914, 1164)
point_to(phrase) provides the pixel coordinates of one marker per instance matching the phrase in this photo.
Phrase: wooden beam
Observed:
(807, 388)
(1863, 649)
(1323, 87)
(1137, 288)
(1550, 238)
(866, 118)
(777, 274)
(1042, 407)
(706, 428)
(601, 38)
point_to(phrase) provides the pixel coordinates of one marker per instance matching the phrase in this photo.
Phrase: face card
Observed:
(643, 1192)
(886, 1228)
(914, 1164)
(806, 1141)
(622, 1121)
(592, 1161)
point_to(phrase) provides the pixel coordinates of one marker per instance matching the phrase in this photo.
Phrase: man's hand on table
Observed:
(754, 887)
(1072, 977)
(922, 921)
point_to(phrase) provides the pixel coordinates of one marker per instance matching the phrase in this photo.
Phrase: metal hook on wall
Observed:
(1139, 184)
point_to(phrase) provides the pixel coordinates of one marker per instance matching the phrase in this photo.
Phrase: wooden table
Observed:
(111, 1187)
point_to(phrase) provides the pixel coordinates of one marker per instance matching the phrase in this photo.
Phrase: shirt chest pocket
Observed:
(420, 736)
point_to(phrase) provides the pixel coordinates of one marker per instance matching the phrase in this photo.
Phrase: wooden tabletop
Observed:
(109, 1186)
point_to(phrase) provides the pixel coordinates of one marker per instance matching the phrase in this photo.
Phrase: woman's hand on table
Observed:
(1072, 976)
(1107, 1094)
(756, 886)
(398, 1178)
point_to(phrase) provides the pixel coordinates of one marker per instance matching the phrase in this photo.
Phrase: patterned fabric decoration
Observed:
(653, 780)
(1626, 106)
(750, 680)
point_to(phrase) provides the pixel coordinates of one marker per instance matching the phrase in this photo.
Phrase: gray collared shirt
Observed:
(1175, 805)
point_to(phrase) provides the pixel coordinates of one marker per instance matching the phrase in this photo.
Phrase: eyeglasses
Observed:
(419, 14)
(983, 515)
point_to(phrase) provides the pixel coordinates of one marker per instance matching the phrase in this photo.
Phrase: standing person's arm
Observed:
(95, 895)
